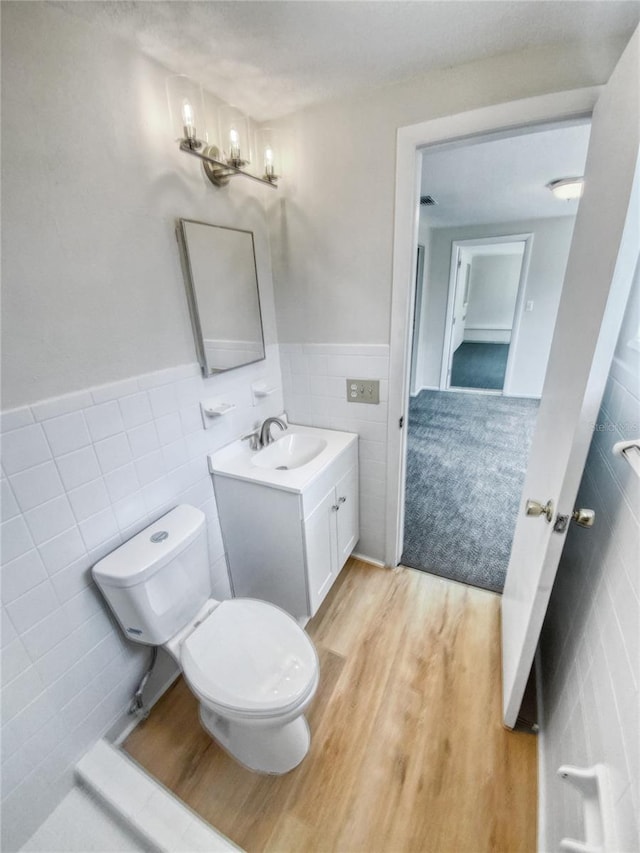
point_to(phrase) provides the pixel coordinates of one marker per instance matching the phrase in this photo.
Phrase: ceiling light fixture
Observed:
(567, 189)
(225, 147)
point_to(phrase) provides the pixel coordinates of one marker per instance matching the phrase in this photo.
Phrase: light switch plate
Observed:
(363, 390)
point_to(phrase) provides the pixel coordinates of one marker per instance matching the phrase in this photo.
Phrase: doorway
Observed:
(487, 283)
(487, 303)
(499, 120)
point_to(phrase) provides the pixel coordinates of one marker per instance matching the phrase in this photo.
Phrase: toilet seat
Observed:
(250, 657)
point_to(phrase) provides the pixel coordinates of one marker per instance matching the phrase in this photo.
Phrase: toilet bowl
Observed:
(252, 668)
(254, 672)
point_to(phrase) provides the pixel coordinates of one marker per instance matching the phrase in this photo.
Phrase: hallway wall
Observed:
(332, 222)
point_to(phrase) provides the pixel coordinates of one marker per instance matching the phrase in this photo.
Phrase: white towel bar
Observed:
(599, 820)
(629, 450)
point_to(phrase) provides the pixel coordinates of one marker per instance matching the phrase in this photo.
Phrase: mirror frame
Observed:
(192, 297)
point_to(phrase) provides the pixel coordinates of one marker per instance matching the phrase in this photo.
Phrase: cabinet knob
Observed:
(341, 500)
(335, 508)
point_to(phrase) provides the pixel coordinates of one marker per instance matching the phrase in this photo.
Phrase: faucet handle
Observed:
(254, 440)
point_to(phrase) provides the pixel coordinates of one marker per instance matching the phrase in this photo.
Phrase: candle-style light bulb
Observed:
(234, 140)
(187, 121)
(269, 171)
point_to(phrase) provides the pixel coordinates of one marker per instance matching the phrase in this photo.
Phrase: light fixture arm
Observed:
(217, 170)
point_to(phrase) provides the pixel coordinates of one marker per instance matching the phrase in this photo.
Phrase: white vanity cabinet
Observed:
(288, 546)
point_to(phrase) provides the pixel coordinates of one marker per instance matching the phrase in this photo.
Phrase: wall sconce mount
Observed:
(221, 171)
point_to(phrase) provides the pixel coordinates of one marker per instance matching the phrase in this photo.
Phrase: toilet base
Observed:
(262, 748)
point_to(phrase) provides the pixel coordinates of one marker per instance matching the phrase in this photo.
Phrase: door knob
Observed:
(535, 508)
(584, 517)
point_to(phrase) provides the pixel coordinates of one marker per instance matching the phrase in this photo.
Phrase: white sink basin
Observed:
(290, 463)
(289, 451)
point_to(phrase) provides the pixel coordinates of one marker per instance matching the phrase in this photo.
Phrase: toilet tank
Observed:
(158, 580)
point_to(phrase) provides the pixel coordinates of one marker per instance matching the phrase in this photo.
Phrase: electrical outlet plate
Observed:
(363, 390)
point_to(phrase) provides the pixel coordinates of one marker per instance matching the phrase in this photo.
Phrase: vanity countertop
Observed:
(236, 460)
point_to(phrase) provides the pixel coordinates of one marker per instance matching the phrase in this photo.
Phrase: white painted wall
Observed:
(493, 288)
(591, 636)
(92, 183)
(92, 292)
(332, 226)
(550, 249)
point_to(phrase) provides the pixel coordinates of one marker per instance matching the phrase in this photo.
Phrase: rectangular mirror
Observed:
(221, 278)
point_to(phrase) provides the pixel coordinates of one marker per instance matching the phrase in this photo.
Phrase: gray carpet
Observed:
(466, 461)
(476, 365)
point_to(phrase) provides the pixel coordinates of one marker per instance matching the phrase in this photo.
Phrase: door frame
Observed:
(447, 355)
(499, 120)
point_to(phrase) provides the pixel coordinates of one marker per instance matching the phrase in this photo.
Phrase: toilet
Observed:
(251, 666)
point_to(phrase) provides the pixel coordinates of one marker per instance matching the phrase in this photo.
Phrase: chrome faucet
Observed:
(265, 430)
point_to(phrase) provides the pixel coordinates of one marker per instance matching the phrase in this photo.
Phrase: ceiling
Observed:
(277, 56)
(503, 180)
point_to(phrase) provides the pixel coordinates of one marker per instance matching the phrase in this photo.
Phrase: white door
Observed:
(460, 305)
(602, 260)
(416, 380)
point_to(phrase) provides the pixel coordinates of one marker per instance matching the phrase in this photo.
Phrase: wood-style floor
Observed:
(408, 752)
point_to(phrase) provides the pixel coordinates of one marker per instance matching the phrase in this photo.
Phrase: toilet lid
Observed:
(250, 656)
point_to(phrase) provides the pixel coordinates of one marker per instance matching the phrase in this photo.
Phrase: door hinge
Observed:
(401, 422)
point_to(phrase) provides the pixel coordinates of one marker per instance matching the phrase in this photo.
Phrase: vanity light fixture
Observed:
(233, 154)
(268, 147)
(567, 189)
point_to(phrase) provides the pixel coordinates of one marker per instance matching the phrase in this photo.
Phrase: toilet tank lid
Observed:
(151, 549)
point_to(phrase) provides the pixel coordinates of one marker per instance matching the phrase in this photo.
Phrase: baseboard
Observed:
(522, 396)
(371, 560)
(426, 388)
(485, 392)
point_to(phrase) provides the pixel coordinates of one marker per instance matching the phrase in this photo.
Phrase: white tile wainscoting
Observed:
(80, 474)
(315, 393)
(591, 636)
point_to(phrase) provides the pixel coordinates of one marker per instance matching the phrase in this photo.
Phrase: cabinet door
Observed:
(320, 540)
(347, 515)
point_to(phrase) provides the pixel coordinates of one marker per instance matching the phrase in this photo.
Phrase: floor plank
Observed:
(408, 752)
